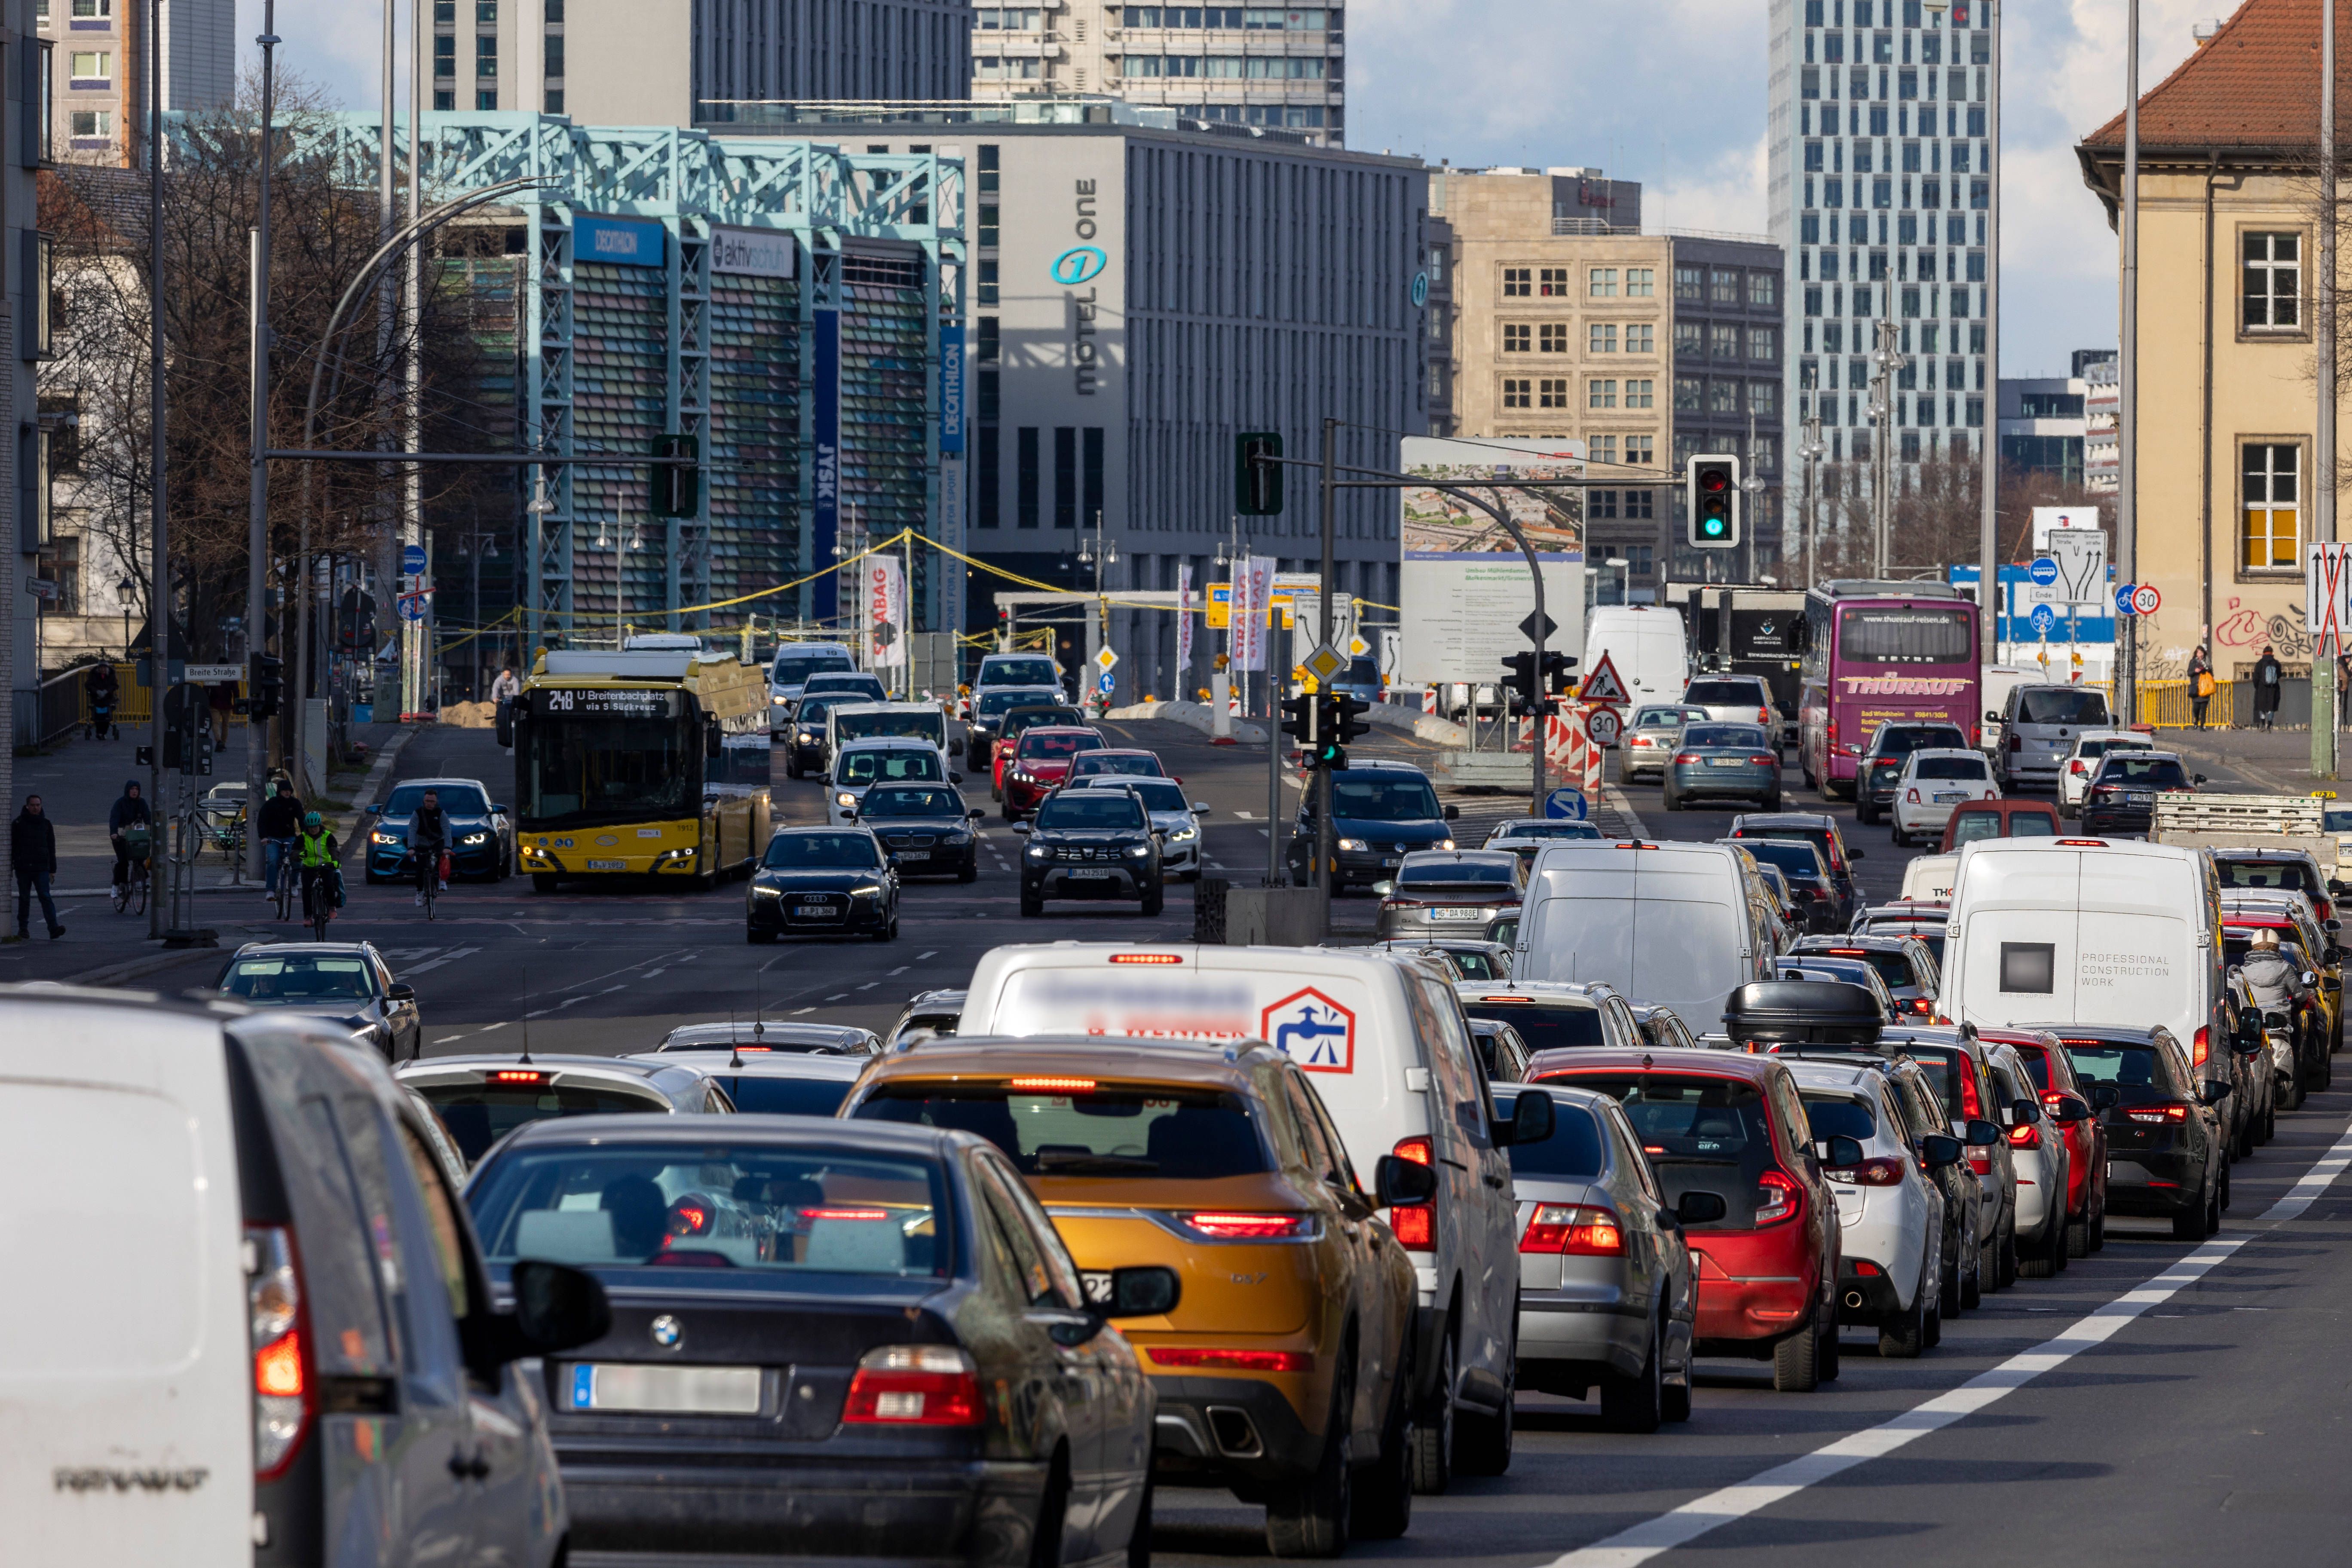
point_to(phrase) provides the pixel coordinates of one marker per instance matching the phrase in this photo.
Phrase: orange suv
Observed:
(1283, 1373)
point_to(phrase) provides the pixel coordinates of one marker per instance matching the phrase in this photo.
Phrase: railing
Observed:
(61, 707)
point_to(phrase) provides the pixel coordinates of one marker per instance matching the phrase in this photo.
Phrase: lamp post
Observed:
(126, 593)
(1099, 553)
(1812, 450)
(1885, 361)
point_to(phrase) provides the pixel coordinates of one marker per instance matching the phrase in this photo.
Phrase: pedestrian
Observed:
(103, 691)
(33, 850)
(506, 687)
(2344, 687)
(2200, 683)
(2267, 673)
(130, 806)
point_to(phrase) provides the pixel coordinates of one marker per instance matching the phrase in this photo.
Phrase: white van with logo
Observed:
(1644, 644)
(1383, 1041)
(1672, 923)
(2088, 931)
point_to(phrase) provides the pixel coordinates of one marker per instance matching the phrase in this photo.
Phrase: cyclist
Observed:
(316, 850)
(104, 689)
(281, 819)
(428, 836)
(128, 807)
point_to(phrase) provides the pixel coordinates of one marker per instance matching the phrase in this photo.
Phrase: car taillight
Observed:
(913, 1385)
(1976, 735)
(688, 1217)
(1922, 1005)
(1234, 1359)
(1970, 1106)
(281, 1362)
(1416, 1150)
(2158, 1115)
(2024, 1136)
(1912, 795)
(1878, 1171)
(2016, 743)
(1763, 760)
(1249, 1226)
(2201, 1047)
(1763, 715)
(1574, 1230)
(1686, 759)
(2075, 766)
(1777, 1198)
(1416, 1224)
(1980, 1164)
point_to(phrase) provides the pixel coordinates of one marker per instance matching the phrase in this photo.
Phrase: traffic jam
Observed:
(1102, 1223)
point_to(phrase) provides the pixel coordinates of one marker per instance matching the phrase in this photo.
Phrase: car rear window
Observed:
(1945, 1070)
(1792, 856)
(1475, 964)
(2062, 708)
(1132, 766)
(2037, 1065)
(1902, 740)
(1550, 1027)
(1970, 768)
(2292, 874)
(1457, 871)
(2126, 1065)
(1835, 1116)
(1574, 1148)
(896, 764)
(1732, 735)
(760, 1096)
(2144, 772)
(1724, 693)
(1034, 744)
(1893, 967)
(1184, 1135)
(720, 1209)
(1701, 1133)
(478, 1114)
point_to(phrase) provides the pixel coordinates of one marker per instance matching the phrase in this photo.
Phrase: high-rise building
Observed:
(1882, 185)
(1238, 65)
(97, 50)
(656, 62)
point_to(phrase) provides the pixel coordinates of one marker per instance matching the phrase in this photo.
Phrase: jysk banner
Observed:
(626, 242)
(826, 478)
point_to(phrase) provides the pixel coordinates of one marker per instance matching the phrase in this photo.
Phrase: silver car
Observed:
(481, 1098)
(1732, 699)
(1450, 892)
(1608, 1295)
(1652, 736)
(1175, 820)
(2038, 727)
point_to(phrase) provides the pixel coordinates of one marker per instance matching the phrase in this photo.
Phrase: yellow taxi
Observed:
(1282, 1373)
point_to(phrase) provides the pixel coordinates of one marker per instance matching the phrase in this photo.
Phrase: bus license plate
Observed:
(608, 865)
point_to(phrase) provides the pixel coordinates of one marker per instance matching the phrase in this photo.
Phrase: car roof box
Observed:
(1825, 1012)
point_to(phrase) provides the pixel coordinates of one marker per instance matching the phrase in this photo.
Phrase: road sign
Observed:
(2327, 594)
(2043, 571)
(412, 559)
(2124, 593)
(1106, 659)
(2044, 617)
(2146, 599)
(208, 674)
(414, 606)
(1215, 616)
(1527, 627)
(1603, 726)
(1569, 804)
(2080, 555)
(1603, 684)
(1324, 663)
(1105, 683)
(1357, 647)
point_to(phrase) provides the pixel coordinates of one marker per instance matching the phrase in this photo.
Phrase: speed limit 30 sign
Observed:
(1603, 725)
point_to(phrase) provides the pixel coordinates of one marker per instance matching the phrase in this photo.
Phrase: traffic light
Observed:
(1348, 721)
(265, 685)
(1711, 500)
(1257, 486)
(1298, 716)
(1521, 682)
(1330, 730)
(677, 478)
(1557, 668)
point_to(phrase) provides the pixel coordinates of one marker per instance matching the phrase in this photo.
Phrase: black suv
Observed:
(1089, 844)
(1882, 763)
(1381, 812)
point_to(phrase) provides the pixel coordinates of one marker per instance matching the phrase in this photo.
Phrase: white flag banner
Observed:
(1253, 595)
(1183, 627)
(885, 600)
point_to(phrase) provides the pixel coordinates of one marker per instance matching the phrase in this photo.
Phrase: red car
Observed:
(2068, 1100)
(1009, 730)
(1040, 761)
(1734, 1125)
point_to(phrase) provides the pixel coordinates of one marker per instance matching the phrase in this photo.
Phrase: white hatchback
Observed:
(2075, 772)
(1932, 785)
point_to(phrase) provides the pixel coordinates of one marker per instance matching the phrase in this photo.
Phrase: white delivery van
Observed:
(1927, 878)
(1644, 643)
(1672, 923)
(2087, 931)
(1383, 1040)
(847, 721)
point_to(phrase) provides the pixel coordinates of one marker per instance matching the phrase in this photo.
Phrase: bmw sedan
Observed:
(925, 828)
(481, 835)
(828, 1340)
(1715, 761)
(346, 981)
(822, 881)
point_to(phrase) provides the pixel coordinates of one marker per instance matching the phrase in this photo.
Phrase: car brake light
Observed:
(811, 1216)
(1248, 1226)
(1763, 715)
(1235, 1360)
(687, 1217)
(2203, 1045)
(1413, 1149)
(1762, 761)
(1416, 1224)
(2024, 1136)
(281, 1381)
(517, 1075)
(2075, 766)
(1922, 1005)
(1054, 1084)
(1968, 1104)
(1573, 1230)
(1687, 759)
(1777, 1198)
(913, 1385)
(1147, 957)
(1980, 1164)
(2016, 743)
(1912, 795)
(1878, 1171)
(2158, 1114)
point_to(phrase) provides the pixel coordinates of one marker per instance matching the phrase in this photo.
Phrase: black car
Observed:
(803, 737)
(822, 881)
(1038, 709)
(1882, 762)
(1905, 962)
(1818, 829)
(1806, 870)
(1380, 813)
(2167, 1151)
(345, 980)
(988, 707)
(481, 834)
(1089, 844)
(2121, 796)
(925, 828)
(828, 1339)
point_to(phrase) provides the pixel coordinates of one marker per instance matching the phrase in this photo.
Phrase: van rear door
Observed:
(125, 1368)
(1661, 923)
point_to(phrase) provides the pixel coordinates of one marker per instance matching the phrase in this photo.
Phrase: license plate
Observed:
(1950, 796)
(2139, 799)
(1459, 914)
(1723, 762)
(1392, 860)
(1089, 876)
(608, 865)
(690, 1390)
(819, 910)
(914, 854)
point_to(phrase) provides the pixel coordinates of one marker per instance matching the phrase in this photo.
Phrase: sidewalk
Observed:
(2253, 761)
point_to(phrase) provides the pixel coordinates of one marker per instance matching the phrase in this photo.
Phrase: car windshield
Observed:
(2238, 942)
(457, 800)
(714, 1207)
(1020, 717)
(1893, 968)
(1818, 837)
(851, 682)
(1157, 794)
(1450, 871)
(2037, 1065)
(1058, 744)
(2062, 707)
(1794, 857)
(2145, 772)
(1732, 737)
(1551, 1027)
(1723, 694)
(1090, 808)
(1574, 1148)
(296, 979)
(1126, 763)
(994, 704)
(821, 852)
(1176, 1133)
(1683, 1114)
(1930, 937)
(1475, 963)
(1905, 634)
(813, 710)
(1019, 672)
(2296, 875)
(759, 1095)
(897, 762)
(479, 1113)
(1902, 740)
(1374, 799)
(1969, 768)
(1835, 1116)
(794, 668)
(885, 800)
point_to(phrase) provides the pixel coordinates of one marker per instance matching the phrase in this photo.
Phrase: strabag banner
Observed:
(1184, 625)
(885, 600)
(1253, 594)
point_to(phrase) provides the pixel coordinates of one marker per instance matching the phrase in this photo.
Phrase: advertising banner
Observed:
(825, 478)
(885, 608)
(1253, 595)
(1184, 625)
(1464, 583)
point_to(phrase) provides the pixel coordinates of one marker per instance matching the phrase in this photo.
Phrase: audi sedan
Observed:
(1715, 761)
(822, 881)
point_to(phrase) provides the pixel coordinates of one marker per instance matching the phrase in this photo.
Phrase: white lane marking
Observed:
(451, 956)
(837, 996)
(869, 986)
(900, 970)
(500, 1025)
(1244, 816)
(798, 1011)
(1628, 1548)
(610, 989)
(920, 956)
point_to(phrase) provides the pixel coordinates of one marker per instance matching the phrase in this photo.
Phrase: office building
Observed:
(2103, 402)
(2042, 426)
(98, 50)
(1232, 65)
(1568, 322)
(24, 341)
(1881, 187)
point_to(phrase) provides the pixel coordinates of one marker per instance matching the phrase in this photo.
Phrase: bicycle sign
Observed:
(1312, 1030)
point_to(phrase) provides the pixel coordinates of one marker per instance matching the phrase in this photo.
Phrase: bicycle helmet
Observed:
(310, 820)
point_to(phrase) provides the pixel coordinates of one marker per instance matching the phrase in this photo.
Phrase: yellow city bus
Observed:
(613, 766)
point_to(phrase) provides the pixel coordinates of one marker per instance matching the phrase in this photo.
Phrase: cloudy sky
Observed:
(1669, 93)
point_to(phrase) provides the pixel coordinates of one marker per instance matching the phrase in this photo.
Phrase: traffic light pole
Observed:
(1330, 500)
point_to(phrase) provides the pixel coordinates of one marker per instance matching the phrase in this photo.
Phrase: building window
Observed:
(487, 98)
(91, 68)
(1637, 394)
(486, 56)
(1723, 340)
(1764, 399)
(1688, 392)
(1603, 283)
(988, 224)
(1763, 344)
(93, 122)
(2273, 533)
(445, 13)
(554, 101)
(987, 480)
(1090, 475)
(1552, 283)
(986, 349)
(1641, 282)
(988, 285)
(1723, 397)
(555, 10)
(1600, 338)
(1640, 338)
(1551, 338)
(1639, 453)
(1552, 394)
(1515, 392)
(1025, 477)
(1724, 286)
(60, 562)
(444, 55)
(1600, 449)
(1763, 291)
(1690, 339)
(1637, 507)
(1600, 395)
(1065, 476)
(486, 13)
(1689, 281)
(1601, 506)
(554, 57)
(92, 9)
(2274, 283)
(444, 99)
(1516, 337)
(1518, 282)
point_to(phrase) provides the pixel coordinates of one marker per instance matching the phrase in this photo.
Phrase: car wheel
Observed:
(1432, 1437)
(755, 935)
(541, 882)
(1673, 802)
(1674, 1401)
(1903, 1337)
(1772, 801)
(2042, 1261)
(1053, 1517)
(1010, 815)
(1866, 815)
(1031, 907)
(1796, 1361)
(1155, 899)
(2099, 1233)
(2010, 1263)
(2078, 1238)
(1973, 1284)
(1953, 1284)
(1482, 1442)
(1384, 1504)
(1192, 876)
(970, 872)
(1310, 1518)
(1637, 1403)
(1138, 1536)
(1935, 1335)
(1831, 1352)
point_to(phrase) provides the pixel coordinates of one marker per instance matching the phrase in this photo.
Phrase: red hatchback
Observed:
(1040, 761)
(1735, 1126)
(2068, 1101)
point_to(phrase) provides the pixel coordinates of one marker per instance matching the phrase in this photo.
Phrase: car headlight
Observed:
(867, 890)
(1186, 836)
(760, 892)
(808, 737)
(472, 838)
(1446, 844)
(1138, 850)
(1356, 844)
(957, 836)
(1039, 852)
(780, 702)
(380, 837)
(845, 800)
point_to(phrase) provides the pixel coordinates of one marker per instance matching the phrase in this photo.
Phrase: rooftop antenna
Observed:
(524, 1060)
(734, 1045)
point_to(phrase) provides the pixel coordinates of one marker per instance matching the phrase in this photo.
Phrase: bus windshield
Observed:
(579, 770)
(1905, 633)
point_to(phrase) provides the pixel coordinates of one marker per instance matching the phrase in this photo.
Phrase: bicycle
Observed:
(318, 896)
(432, 880)
(130, 893)
(288, 869)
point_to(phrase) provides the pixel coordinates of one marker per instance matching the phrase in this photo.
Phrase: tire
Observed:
(1674, 1401)
(1831, 1353)
(2078, 1238)
(1030, 908)
(1310, 1518)
(541, 882)
(2043, 1262)
(1010, 815)
(1637, 1403)
(1383, 1503)
(1797, 1361)
(1138, 1539)
(1053, 1517)
(2009, 1258)
(1433, 1440)
(1904, 1337)
(1865, 814)
(1154, 900)
(1953, 1285)
(2099, 1233)
(2221, 1202)
(2189, 1225)
(1935, 1335)
(1482, 1442)
(757, 937)
(1772, 801)
(1972, 1285)
(1673, 802)
(969, 873)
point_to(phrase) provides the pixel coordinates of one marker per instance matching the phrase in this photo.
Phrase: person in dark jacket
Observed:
(33, 850)
(103, 690)
(281, 819)
(2267, 687)
(128, 807)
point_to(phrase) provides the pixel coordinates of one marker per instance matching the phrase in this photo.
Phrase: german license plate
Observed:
(608, 865)
(1723, 762)
(1089, 876)
(689, 1390)
(1391, 859)
(1950, 796)
(817, 910)
(1459, 913)
(914, 854)
(2130, 799)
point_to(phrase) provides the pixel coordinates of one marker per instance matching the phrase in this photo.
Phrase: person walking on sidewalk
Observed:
(281, 819)
(2200, 683)
(130, 806)
(33, 850)
(2267, 673)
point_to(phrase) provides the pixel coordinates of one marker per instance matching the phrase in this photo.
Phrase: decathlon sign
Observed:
(623, 241)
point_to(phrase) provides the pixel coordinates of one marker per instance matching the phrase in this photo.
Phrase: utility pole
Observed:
(1885, 361)
(257, 535)
(2128, 373)
(2324, 758)
(412, 521)
(1323, 605)
(159, 585)
(1988, 447)
(1811, 451)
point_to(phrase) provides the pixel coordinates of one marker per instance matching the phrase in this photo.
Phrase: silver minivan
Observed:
(2038, 726)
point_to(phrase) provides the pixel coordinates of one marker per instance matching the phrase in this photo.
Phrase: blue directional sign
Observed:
(2044, 618)
(2124, 593)
(1103, 685)
(412, 559)
(2044, 571)
(1567, 803)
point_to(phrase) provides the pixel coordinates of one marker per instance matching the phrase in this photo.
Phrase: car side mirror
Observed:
(2196, 778)
(1940, 1150)
(2331, 926)
(1700, 1208)
(1855, 854)
(2106, 1097)
(1147, 1291)
(2024, 1113)
(1841, 1152)
(1200, 808)
(2214, 1092)
(954, 778)
(1530, 1122)
(1981, 1134)
(501, 810)
(504, 725)
(401, 993)
(848, 814)
(955, 746)
(1991, 717)
(556, 1309)
(1396, 1181)
(1020, 827)
(974, 814)
(1452, 814)
(2069, 1110)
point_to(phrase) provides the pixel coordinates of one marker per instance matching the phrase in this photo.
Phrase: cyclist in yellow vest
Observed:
(317, 852)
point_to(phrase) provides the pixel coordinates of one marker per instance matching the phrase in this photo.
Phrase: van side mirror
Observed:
(1022, 828)
(1396, 1181)
(1530, 1122)
(2215, 1090)
(1854, 854)
(1939, 1150)
(400, 993)
(1981, 1134)
(1992, 716)
(1452, 814)
(1700, 1208)
(1149, 1292)
(2106, 1097)
(1841, 1152)
(2196, 778)
(555, 1309)
(504, 725)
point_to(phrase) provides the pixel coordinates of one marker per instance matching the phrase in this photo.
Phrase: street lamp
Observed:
(1886, 360)
(1813, 450)
(126, 593)
(1099, 553)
